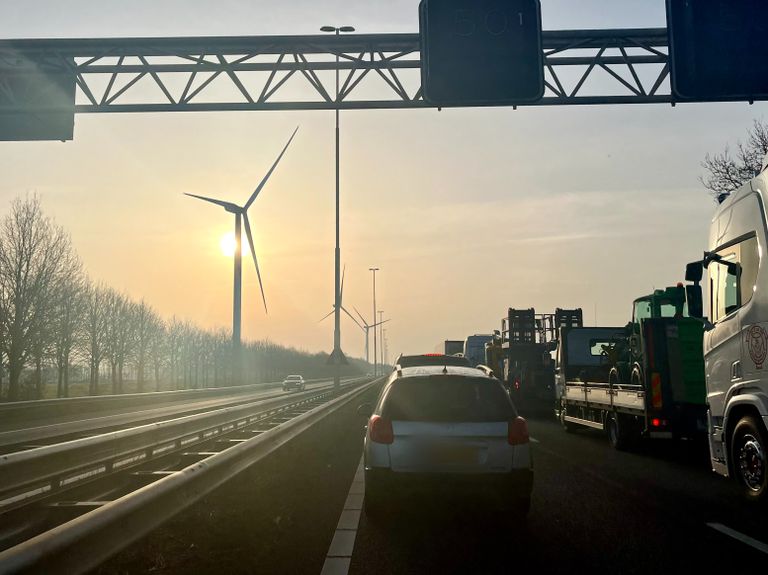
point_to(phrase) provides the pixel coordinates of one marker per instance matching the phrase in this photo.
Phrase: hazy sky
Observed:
(466, 212)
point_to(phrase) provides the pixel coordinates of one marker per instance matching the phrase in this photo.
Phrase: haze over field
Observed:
(466, 212)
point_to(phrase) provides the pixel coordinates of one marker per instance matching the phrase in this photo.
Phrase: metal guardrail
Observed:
(85, 542)
(150, 397)
(140, 413)
(40, 471)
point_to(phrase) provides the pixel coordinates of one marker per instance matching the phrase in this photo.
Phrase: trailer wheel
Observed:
(750, 464)
(618, 432)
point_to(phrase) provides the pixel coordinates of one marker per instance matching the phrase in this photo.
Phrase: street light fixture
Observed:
(337, 356)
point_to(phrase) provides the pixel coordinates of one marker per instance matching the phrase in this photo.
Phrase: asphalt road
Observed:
(594, 510)
(60, 421)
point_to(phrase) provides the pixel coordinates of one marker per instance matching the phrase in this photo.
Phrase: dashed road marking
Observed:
(339, 555)
(754, 543)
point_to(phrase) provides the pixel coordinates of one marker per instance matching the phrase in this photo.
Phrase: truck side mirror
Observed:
(695, 301)
(694, 272)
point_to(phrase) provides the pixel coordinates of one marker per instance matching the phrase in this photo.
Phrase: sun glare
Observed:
(228, 244)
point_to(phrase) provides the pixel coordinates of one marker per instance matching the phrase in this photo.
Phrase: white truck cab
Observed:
(736, 337)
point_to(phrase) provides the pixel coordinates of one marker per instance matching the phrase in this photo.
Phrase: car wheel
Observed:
(618, 432)
(748, 454)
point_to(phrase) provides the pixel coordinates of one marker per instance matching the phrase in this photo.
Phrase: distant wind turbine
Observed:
(241, 217)
(366, 327)
(363, 326)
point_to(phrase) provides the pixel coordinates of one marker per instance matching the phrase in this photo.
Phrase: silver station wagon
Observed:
(452, 430)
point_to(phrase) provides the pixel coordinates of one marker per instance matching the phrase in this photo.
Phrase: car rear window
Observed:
(415, 360)
(447, 398)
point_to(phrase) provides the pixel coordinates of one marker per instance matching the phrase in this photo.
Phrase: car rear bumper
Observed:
(493, 486)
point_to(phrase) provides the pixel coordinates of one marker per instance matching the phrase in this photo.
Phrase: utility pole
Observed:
(375, 357)
(237, 346)
(336, 355)
(381, 336)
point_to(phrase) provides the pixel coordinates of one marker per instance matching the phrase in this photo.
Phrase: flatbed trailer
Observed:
(666, 401)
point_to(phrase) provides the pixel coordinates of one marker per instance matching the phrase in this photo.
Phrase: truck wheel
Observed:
(749, 459)
(618, 433)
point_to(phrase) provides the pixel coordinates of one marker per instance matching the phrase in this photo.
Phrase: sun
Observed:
(228, 244)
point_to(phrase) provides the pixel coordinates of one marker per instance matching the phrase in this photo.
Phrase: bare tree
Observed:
(146, 326)
(36, 256)
(67, 322)
(95, 333)
(120, 336)
(726, 171)
(158, 349)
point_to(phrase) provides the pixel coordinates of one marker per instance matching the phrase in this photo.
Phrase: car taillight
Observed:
(380, 430)
(517, 431)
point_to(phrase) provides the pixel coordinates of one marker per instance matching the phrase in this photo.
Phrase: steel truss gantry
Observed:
(379, 71)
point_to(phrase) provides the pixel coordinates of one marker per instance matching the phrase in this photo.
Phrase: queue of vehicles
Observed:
(684, 367)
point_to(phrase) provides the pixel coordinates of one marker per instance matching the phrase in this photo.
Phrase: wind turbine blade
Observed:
(326, 316)
(360, 316)
(381, 322)
(352, 317)
(341, 293)
(269, 173)
(255, 261)
(222, 203)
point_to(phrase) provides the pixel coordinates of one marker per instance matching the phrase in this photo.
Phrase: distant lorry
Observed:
(453, 346)
(643, 380)
(526, 345)
(474, 348)
(736, 336)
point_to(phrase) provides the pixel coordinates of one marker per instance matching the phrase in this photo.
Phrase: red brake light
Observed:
(380, 430)
(517, 431)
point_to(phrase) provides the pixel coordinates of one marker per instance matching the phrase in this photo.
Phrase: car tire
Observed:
(748, 459)
(618, 432)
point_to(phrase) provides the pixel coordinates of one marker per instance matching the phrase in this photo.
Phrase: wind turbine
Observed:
(361, 326)
(241, 217)
(366, 327)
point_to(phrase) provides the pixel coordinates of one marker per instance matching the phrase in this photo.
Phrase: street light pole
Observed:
(381, 336)
(375, 357)
(337, 354)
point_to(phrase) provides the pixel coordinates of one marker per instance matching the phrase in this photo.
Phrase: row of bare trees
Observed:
(54, 322)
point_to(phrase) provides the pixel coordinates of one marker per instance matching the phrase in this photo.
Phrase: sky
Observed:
(466, 211)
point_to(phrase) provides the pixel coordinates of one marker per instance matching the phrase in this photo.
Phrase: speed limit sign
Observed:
(481, 52)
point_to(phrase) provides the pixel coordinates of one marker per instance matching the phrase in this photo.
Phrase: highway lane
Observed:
(66, 419)
(594, 509)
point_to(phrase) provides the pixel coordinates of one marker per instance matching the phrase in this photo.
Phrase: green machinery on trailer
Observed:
(645, 380)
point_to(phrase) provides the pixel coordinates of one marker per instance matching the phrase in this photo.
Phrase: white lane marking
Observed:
(534, 440)
(754, 543)
(339, 555)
